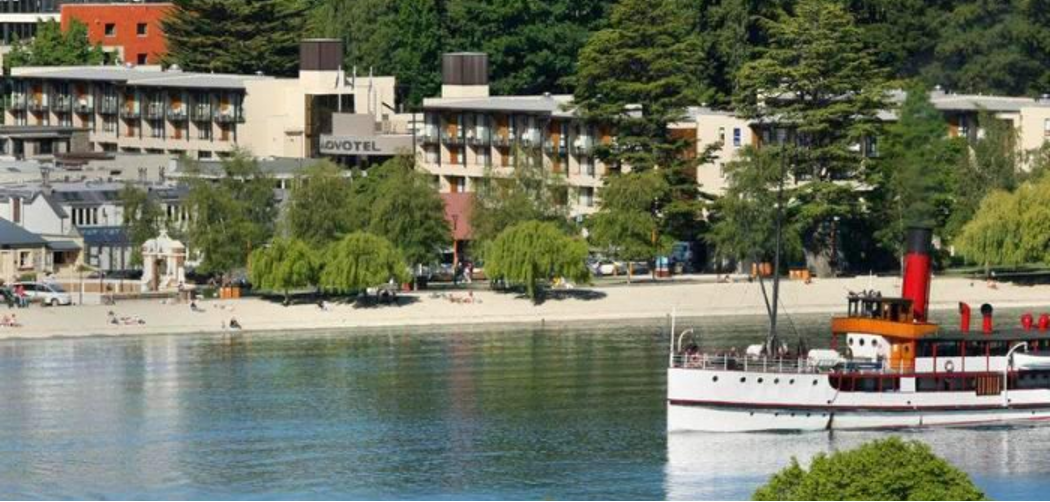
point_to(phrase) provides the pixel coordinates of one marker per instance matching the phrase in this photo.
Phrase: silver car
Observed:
(50, 294)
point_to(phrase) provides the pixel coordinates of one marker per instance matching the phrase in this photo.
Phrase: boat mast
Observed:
(772, 341)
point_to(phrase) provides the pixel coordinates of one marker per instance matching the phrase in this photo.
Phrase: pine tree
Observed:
(417, 54)
(52, 47)
(236, 36)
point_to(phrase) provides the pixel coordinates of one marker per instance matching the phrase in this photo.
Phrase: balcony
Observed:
(201, 112)
(530, 141)
(502, 141)
(554, 149)
(109, 106)
(83, 106)
(155, 111)
(227, 116)
(37, 105)
(18, 103)
(177, 113)
(452, 139)
(61, 103)
(429, 137)
(583, 146)
(481, 140)
(130, 112)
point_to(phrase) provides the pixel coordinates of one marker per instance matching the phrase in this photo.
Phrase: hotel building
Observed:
(136, 109)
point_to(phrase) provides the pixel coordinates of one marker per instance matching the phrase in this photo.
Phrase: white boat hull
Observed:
(746, 401)
(720, 419)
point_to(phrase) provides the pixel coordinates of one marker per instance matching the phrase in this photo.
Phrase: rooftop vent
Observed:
(465, 68)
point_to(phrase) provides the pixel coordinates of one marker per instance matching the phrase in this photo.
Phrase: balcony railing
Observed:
(452, 139)
(155, 111)
(429, 138)
(227, 116)
(479, 140)
(37, 105)
(83, 106)
(62, 104)
(109, 106)
(177, 114)
(130, 112)
(502, 141)
(583, 146)
(201, 112)
(18, 103)
(554, 149)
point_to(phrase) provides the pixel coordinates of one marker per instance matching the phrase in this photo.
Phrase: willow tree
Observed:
(142, 219)
(284, 265)
(1009, 228)
(534, 252)
(361, 260)
(317, 206)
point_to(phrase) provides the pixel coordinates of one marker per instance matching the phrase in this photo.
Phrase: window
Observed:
(109, 123)
(588, 165)
(204, 131)
(736, 136)
(156, 128)
(586, 196)
(140, 59)
(85, 216)
(111, 30)
(141, 29)
(722, 135)
(65, 120)
(1046, 127)
(25, 259)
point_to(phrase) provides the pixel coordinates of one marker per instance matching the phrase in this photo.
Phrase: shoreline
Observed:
(641, 305)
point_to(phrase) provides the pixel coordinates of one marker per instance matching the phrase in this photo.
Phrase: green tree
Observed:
(416, 55)
(533, 252)
(409, 213)
(317, 205)
(1009, 228)
(530, 192)
(364, 27)
(52, 47)
(638, 75)
(888, 469)
(915, 174)
(231, 216)
(818, 81)
(361, 260)
(141, 221)
(993, 162)
(532, 45)
(284, 265)
(236, 36)
(628, 224)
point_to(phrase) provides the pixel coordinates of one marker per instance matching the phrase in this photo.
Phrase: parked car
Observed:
(606, 267)
(50, 294)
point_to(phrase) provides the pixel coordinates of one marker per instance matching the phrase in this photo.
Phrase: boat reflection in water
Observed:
(1006, 462)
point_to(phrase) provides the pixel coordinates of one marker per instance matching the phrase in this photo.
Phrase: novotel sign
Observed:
(365, 146)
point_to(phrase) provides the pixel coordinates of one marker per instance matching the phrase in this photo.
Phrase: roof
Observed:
(457, 212)
(1004, 335)
(273, 166)
(38, 132)
(104, 236)
(137, 76)
(63, 246)
(14, 236)
(551, 104)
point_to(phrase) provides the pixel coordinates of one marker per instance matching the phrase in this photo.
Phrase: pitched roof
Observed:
(14, 236)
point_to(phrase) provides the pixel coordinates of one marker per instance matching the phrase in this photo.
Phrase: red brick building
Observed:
(133, 28)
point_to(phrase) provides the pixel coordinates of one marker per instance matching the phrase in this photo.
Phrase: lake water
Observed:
(520, 414)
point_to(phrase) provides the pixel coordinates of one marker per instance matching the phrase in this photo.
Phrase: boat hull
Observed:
(716, 418)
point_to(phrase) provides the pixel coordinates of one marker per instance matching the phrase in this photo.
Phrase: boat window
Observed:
(975, 349)
(861, 342)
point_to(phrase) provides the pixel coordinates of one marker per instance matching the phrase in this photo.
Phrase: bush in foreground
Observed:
(889, 469)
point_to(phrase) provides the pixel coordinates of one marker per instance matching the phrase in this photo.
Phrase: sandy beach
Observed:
(606, 304)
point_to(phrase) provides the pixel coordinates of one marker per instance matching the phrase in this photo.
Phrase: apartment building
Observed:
(727, 134)
(146, 109)
(468, 134)
(132, 30)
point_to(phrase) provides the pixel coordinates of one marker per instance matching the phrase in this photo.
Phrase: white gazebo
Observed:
(163, 263)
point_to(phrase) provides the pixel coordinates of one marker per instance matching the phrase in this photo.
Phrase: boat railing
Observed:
(760, 364)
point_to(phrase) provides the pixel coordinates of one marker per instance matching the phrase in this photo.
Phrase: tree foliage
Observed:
(915, 176)
(236, 36)
(529, 192)
(142, 219)
(317, 205)
(888, 469)
(284, 265)
(993, 163)
(534, 252)
(1010, 228)
(231, 216)
(361, 260)
(52, 47)
(628, 224)
(409, 213)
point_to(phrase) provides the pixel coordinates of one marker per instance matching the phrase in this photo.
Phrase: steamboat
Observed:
(889, 367)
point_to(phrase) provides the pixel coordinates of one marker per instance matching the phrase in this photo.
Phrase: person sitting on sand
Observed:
(194, 307)
(324, 306)
(111, 318)
(9, 321)
(234, 324)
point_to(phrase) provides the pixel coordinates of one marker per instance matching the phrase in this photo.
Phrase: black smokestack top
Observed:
(917, 270)
(918, 240)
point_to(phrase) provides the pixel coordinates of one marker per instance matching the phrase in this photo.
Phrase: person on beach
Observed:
(21, 297)
(234, 324)
(194, 307)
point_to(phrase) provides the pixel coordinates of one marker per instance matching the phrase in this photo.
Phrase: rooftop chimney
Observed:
(320, 54)
(465, 75)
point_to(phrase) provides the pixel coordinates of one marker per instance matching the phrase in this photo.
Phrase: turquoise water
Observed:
(519, 414)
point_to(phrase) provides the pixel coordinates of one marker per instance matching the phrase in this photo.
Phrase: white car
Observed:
(606, 267)
(46, 293)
